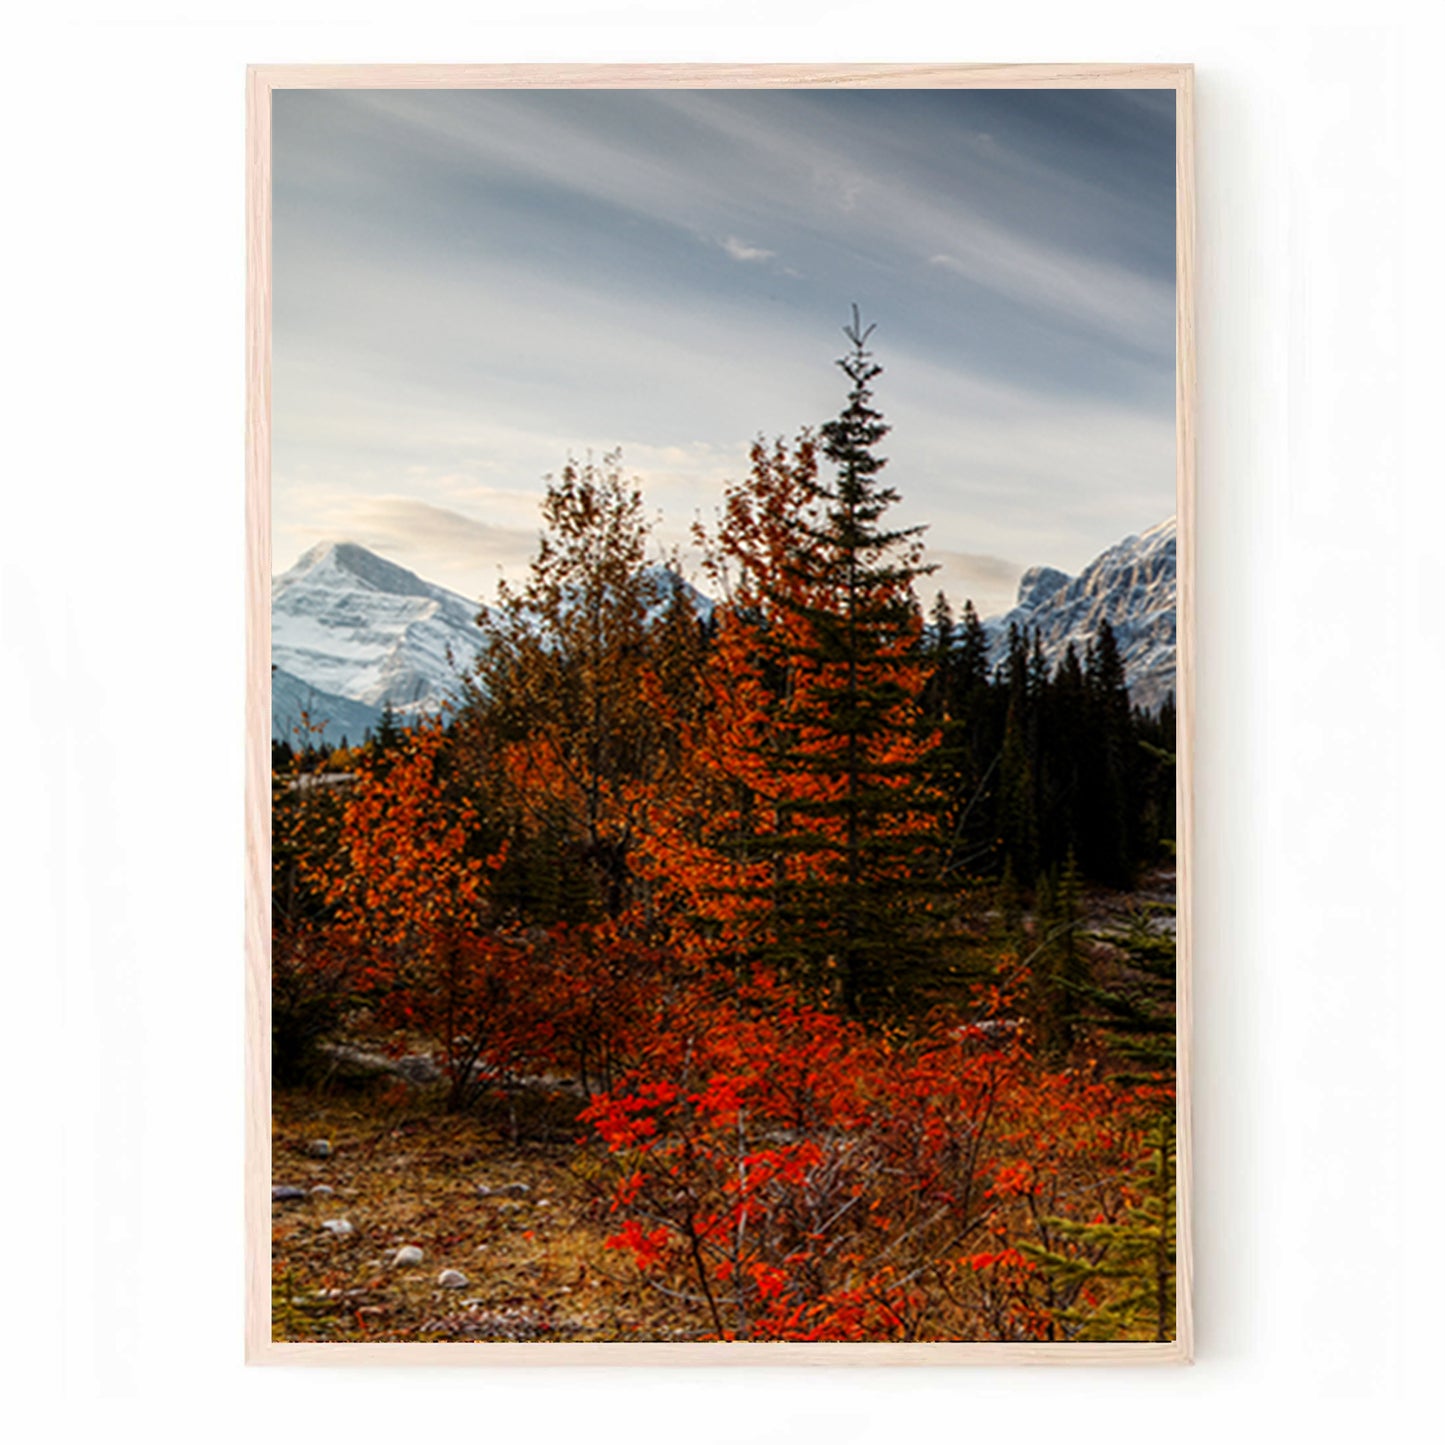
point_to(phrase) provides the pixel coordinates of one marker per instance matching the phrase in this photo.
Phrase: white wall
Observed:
(1320, 960)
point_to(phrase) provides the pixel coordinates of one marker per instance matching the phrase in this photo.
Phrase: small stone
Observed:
(407, 1254)
(418, 1069)
(319, 1148)
(515, 1190)
(452, 1279)
(339, 1227)
(281, 1193)
(322, 1191)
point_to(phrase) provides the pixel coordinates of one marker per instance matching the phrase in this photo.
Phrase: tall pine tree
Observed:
(861, 736)
(820, 680)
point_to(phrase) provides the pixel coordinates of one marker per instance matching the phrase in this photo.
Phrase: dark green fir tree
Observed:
(858, 721)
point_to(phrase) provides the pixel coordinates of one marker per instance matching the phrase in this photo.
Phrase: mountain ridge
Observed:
(352, 631)
(1132, 585)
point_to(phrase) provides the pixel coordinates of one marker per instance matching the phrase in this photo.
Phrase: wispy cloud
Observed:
(741, 251)
(472, 286)
(440, 544)
(991, 583)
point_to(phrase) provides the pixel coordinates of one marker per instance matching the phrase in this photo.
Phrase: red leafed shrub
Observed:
(783, 1173)
(788, 1174)
(407, 894)
(1067, 1153)
(504, 1007)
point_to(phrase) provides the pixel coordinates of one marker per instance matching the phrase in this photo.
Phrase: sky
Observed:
(472, 287)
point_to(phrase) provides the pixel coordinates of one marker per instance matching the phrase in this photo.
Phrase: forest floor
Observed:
(510, 1197)
(531, 1247)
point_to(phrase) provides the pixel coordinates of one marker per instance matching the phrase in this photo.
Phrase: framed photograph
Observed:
(720, 672)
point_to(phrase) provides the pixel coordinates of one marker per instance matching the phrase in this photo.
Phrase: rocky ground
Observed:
(393, 1221)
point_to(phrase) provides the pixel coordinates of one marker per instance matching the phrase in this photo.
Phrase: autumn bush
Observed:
(311, 979)
(312, 992)
(783, 1173)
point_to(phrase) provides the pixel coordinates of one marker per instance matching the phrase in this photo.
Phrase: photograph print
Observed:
(724, 665)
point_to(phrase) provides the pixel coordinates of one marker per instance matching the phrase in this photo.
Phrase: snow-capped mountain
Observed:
(1131, 586)
(351, 632)
(667, 584)
(331, 717)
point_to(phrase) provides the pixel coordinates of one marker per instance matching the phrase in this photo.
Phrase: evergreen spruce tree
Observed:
(972, 664)
(1058, 966)
(857, 847)
(1155, 734)
(1013, 673)
(953, 762)
(940, 695)
(1017, 822)
(1067, 745)
(1133, 1012)
(1070, 967)
(1121, 1274)
(388, 734)
(970, 750)
(1110, 785)
(1038, 668)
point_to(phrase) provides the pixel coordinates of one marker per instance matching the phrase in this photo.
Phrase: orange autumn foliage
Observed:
(802, 796)
(795, 1175)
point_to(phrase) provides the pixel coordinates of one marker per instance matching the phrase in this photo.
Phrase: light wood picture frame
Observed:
(263, 83)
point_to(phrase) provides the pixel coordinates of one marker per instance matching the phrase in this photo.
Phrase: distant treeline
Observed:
(1035, 763)
(1040, 762)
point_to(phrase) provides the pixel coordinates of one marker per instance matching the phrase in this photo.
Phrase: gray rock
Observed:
(322, 1191)
(418, 1069)
(319, 1148)
(338, 1227)
(515, 1190)
(351, 1062)
(282, 1193)
(408, 1254)
(452, 1279)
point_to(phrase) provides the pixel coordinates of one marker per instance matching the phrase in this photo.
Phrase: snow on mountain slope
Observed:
(1131, 586)
(329, 717)
(351, 632)
(667, 584)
